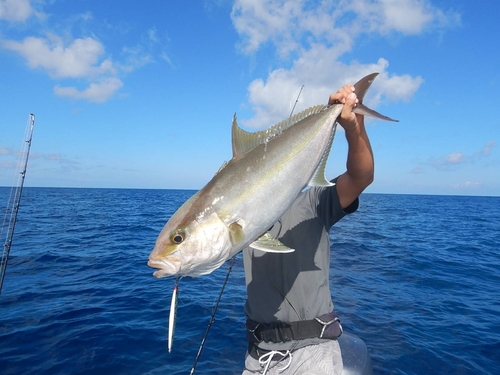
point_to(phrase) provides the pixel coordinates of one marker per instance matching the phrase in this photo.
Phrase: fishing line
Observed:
(212, 318)
(285, 298)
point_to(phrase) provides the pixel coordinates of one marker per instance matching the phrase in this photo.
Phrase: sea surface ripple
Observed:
(416, 277)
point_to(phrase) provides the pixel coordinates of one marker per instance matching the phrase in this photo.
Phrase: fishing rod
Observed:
(212, 318)
(296, 100)
(15, 197)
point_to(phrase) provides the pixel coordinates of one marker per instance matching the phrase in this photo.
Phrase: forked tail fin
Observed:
(362, 87)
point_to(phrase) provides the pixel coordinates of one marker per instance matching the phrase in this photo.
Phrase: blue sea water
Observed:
(416, 277)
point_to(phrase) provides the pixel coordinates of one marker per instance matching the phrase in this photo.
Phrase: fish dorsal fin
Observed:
(318, 178)
(285, 124)
(221, 168)
(244, 141)
(269, 244)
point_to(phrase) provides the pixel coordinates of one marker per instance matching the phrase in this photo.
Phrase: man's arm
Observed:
(360, 164)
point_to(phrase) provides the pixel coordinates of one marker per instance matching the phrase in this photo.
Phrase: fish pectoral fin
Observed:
(269, 244)
(236, 233)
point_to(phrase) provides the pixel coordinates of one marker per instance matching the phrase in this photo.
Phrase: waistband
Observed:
(326, 326)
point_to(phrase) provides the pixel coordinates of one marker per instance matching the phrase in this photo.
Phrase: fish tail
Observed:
(361, 87)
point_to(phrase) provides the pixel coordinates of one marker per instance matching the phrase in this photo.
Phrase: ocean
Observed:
(416, 277)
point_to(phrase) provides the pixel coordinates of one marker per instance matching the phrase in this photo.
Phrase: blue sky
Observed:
(142, 95)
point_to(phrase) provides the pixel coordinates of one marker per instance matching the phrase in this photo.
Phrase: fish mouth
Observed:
(164, 268)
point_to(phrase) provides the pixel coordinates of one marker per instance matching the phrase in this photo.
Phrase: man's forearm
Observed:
(360, 163)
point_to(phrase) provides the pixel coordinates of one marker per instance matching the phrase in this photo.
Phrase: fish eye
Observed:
(177, 238)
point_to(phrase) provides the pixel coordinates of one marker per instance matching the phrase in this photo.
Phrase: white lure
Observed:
(171, 318)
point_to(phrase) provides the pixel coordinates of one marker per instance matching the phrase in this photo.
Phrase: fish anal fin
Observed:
(269, 244)
(318, 178)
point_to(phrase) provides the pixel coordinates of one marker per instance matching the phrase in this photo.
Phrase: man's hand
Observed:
(347, 96)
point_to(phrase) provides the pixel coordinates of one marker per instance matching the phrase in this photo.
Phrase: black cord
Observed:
(212, 318)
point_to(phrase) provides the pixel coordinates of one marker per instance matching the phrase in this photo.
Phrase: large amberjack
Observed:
(252, 191)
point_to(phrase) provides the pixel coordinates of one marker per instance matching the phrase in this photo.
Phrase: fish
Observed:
(252, 191)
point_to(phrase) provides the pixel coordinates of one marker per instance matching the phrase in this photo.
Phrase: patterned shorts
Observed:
(320, 359)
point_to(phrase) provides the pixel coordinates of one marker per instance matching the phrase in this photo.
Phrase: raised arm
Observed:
(360, 163)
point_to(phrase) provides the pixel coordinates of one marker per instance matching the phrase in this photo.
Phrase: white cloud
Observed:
(83, 59)
(448, 162)
(15, 10)
(314, 69)
(259, 21)
(135, 58)
(147, 51)
(79, 59)
(396, 87)
(95, 92)
(458, 158)
(468, 185)
(285, 23)
(5, 151)
(455, 158)
(152, 35)
(486, 150)
(316, 34)
(8, 157)
(404, 16)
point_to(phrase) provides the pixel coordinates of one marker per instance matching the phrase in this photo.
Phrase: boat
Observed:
(355, 355)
